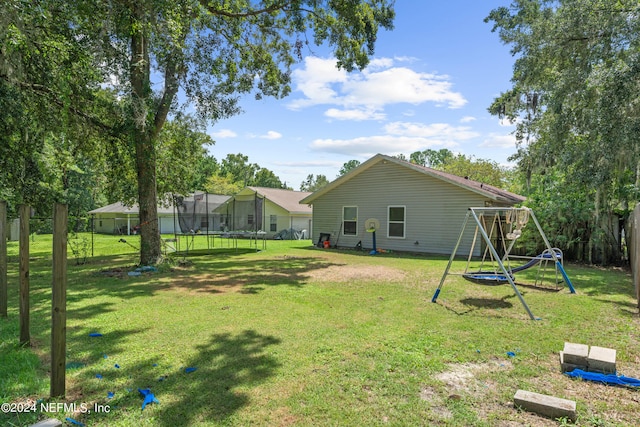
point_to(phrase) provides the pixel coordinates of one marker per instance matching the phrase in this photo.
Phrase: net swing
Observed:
(490, 275)
(499, 229)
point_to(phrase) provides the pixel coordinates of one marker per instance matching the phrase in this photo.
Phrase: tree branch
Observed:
(45, 91)
(247, 13)
(170, 90)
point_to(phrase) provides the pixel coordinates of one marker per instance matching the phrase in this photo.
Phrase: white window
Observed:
(396, 221)
(349, 220)
(273, 220)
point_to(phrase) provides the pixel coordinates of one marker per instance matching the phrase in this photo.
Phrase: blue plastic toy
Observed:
(148, 397)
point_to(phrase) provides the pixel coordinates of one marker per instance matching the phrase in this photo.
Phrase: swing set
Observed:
(499, 229)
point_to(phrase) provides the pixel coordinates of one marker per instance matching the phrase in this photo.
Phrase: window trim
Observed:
(403, 222)
(349, 220)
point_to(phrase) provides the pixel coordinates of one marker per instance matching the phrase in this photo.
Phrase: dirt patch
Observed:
(348, 273)
(196, 283)
(461, 376)
(437, 404)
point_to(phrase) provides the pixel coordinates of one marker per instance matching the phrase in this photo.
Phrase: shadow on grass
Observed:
(247, 275)
(606, 285)
(473, 304)
(226, 366)
(385, 254)
(224, 370)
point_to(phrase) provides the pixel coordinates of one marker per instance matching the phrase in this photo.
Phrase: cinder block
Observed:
(576, 354)
(602, 360)
(51, 422)
(568, 367)
(548, 406)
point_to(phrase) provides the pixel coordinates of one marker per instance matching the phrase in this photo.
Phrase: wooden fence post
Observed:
(634, 254)
(4, 293)
(25, 339)
(59, 301)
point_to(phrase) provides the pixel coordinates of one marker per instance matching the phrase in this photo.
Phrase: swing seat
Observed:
(486, 278)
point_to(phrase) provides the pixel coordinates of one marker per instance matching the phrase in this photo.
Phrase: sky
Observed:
(428, 86)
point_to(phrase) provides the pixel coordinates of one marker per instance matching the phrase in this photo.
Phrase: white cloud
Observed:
(224, 133)
(371, 145)
(315, 80)
(400, 85)
(381, 84)
(507, 123)
(355, 115)
(271, 135)
(405, 58)
(398, 137)
(379, 63)
(467, 119)
(499, 141)
(439, 131)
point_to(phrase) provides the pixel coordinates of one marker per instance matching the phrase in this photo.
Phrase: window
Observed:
(273, 222)
(396, 222)
(349, 220)
(204, 223)
(250, 219)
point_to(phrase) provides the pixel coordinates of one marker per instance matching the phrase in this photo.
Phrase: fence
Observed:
(633, 243)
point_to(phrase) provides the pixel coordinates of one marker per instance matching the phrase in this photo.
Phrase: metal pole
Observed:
(502, 267)
(453, 254)
(553, 254)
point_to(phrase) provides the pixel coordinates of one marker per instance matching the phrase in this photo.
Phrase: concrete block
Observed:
(576, 354)
(568, 367)
(602, 360)
(51, 422)
(548, 406)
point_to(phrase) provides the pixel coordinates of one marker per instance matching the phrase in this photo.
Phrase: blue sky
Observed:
(428, 86)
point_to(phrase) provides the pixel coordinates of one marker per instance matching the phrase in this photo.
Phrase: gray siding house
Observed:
(419, 209)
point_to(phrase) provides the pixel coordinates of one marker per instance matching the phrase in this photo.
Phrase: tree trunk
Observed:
(143, 135)
(150, 250)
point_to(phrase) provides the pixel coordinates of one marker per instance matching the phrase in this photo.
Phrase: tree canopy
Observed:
(148, 51)
(575, 101)
(348, 167)
(313, 182)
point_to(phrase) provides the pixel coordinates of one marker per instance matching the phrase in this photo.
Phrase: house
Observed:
(266, 209)
(117, 218)
(418, 209)
(187, 214)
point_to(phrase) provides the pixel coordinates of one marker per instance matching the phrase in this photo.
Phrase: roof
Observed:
(286, 199)
(120, 208)
(483, 189)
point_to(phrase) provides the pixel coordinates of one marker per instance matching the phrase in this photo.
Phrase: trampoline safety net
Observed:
(195, 213)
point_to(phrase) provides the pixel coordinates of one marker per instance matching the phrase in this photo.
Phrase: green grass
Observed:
(294, 335)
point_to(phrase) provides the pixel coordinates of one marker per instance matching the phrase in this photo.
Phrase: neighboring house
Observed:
(266, 209)
(190, 214)
(117, 218)
(419, 209)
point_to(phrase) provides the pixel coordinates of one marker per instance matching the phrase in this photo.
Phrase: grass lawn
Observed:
(295, 335)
